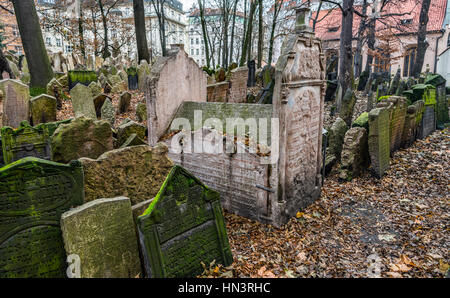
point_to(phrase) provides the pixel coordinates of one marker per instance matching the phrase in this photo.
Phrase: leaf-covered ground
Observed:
(402, 219)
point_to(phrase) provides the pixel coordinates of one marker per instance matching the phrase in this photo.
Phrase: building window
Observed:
(58, 42)
(448, 41)
(196, 52)
(410, 57)
(192, 52)
(196, 40)
(48, 41)
(192, 41)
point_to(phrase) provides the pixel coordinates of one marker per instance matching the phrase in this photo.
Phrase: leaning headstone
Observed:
(133, 140)
(102, 234)
(96, 88)
(25, 141)
(141, 112)
(35, 193)
(16, 105)
(83, 137)
(99, 100)
(143, 70)
(55, 89)
(107, 112)
(336, 137)
(379, 144)
(124, 102)
(124, 131)
(136, 172)
(43, 109)
(355, 153)
(182, 228)
(82, 102)
(251, 74)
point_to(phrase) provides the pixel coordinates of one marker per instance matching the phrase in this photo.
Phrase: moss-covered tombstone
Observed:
(43, 109)
(81, 76)
(25, 141)
(102, 234)
(183, 227)
(34, 193)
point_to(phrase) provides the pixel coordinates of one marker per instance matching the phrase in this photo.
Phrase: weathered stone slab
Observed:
(136, 172)
(133, 140)
(82, 102)
(125, 130)
(379, 144)
(43, 109)
(124, 102)
(83, 137)
(107, 112)
(102, 234)
(428, 121)
(34, 193)
(99, 100)
(25, 141)
(355, 153)
(16, 105)
(183, 227)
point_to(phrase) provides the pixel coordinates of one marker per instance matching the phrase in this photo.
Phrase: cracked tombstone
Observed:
(36, 192)
(182, 227)
(102, 234)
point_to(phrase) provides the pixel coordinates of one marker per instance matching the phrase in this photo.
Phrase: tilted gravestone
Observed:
(81, 76)
(183, 227)
(136, 172)
(83, 104)
(25, 141)
(43, 109)
(34, 193)
(379, 143)
(102, 234)
(16, 105)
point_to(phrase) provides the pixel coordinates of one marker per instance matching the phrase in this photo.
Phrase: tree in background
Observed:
(30, 31)
(422, 43)
(141, 35)
(158, 5)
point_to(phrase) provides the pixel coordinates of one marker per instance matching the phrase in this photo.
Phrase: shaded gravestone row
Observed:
(48, 229)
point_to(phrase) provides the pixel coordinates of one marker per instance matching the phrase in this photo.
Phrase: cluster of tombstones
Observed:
(391, 122)
(69, 218)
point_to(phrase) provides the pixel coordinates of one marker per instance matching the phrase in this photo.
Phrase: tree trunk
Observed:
(359, 44)
(276, 11)
(422, 44)
(205, 32)
(233, 23)
(370, 44)
(345, 53)
(33, 43)
(141, 34)
(260, 33)
(106, 52)
(246, 48)
(81, 33)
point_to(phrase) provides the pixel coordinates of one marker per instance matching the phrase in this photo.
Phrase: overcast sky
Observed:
(187, 4)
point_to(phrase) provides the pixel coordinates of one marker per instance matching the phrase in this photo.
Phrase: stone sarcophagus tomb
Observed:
(183, 227)
(33, 195)
(267, 167)
(25, 141)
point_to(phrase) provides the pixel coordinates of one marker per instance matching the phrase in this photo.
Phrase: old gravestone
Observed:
(34, 194)
(81, 76)
(82, 102)
(183, 227)
(16, 105)
(102, 234)
(43, 109)
(136, 172)
(25, 141)
(379, 143)
(107, 112)
(82, 137)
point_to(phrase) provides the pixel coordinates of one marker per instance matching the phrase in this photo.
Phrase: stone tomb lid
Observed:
(33, 195)
(183, 227)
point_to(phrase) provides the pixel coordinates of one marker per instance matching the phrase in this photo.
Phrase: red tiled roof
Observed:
(408, 9)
